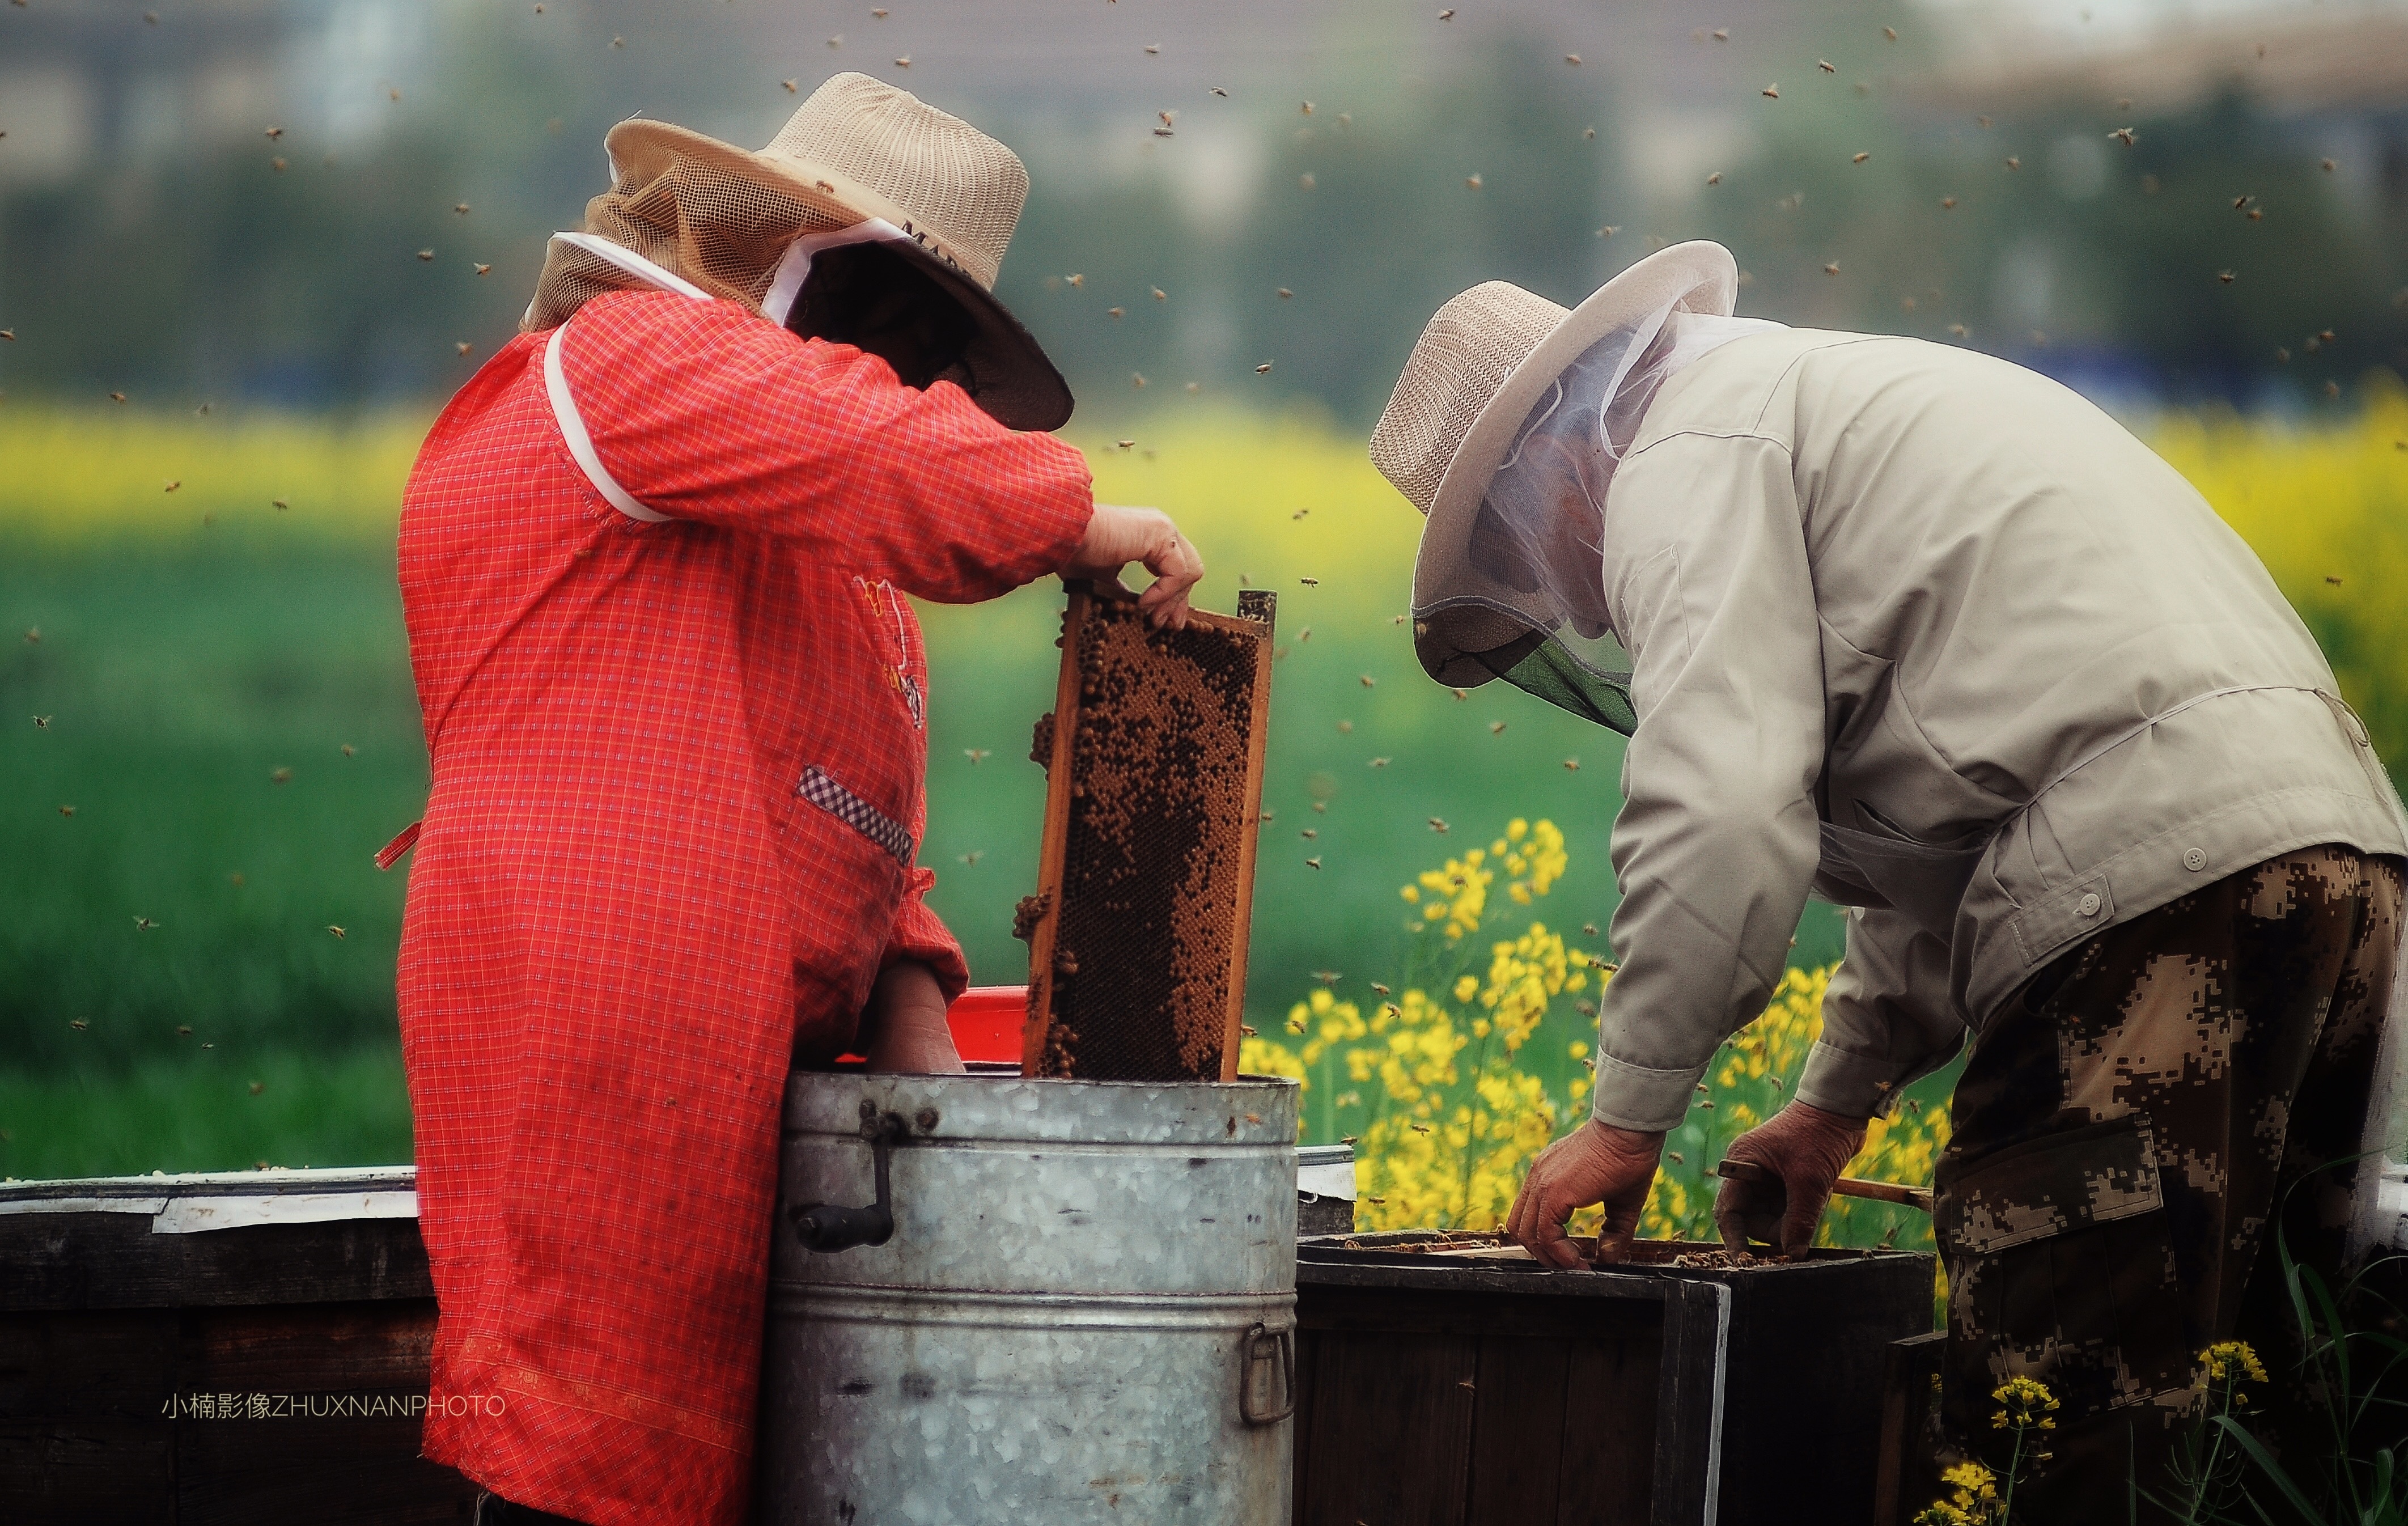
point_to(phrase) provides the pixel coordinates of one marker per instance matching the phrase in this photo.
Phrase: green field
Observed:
(196, 645)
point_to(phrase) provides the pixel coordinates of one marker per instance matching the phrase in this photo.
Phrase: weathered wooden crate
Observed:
(128, 1334)
(1448, 1390)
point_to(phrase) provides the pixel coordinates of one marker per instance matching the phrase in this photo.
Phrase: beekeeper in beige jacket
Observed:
(1922, 633)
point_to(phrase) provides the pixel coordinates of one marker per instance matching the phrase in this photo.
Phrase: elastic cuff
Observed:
(1852, 1086)
(1646, 1102)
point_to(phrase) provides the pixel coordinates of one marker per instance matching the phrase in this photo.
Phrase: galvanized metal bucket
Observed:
(1076, 1305)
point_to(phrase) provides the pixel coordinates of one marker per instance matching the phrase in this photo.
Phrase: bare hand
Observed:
(1596, 1162)
(905, 1029)
(1807, 1148)
(1117, 537)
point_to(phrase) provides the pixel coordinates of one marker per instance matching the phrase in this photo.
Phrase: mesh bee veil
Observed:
(1539, 537)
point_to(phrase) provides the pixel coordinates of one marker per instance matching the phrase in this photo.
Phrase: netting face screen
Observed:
(1138, 967)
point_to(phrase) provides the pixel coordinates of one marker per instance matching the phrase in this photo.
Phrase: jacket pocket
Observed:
(821, 788)
(2061, 1266)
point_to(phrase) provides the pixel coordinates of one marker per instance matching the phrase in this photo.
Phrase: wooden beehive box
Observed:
(1153, 759)
(232, 1348)
(1470, 1390)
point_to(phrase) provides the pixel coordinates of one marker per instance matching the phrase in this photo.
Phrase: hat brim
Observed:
(1018, 385)
(1699, 276)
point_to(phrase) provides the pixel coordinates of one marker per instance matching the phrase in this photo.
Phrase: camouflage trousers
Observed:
(2124, 1133)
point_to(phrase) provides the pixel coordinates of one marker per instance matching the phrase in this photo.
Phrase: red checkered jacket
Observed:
(652, 564)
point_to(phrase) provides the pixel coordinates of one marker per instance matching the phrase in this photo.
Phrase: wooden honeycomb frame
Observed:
(1153, 759)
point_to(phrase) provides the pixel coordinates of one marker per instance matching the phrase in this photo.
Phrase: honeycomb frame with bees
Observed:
(1154, 759)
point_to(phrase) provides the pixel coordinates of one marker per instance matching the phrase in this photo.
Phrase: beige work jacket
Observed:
(1923, 594)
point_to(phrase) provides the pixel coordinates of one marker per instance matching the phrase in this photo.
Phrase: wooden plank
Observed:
(1687, 1418)
(83, 1473)
(1392, 1431)
(1906, 1481)
(1419, 1311)
(1517, 1431)
(359, 1348)
(98, 1364)
(362, 1473)
(1054, 840)
(1258, 734)
(1819, 1329)
(114, 1262)
(1608, 1433)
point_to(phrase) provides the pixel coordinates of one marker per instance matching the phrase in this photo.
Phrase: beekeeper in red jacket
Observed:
(653, 562)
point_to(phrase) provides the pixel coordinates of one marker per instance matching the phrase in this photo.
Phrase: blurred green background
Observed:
(223, 684)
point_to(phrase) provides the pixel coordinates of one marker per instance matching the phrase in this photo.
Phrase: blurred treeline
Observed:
(201, 270)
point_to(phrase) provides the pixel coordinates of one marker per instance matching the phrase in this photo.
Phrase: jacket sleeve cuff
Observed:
(1646, 1102)
(920, 935)
(1852, 1086)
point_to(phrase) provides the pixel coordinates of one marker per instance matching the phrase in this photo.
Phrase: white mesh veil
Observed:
(1540, 532)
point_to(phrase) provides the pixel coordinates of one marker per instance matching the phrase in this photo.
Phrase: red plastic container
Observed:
(986, 1023)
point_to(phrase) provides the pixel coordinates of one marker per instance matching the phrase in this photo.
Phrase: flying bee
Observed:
(2223, 278)
(1327, 977)
(1890, 33)
(1127, 444)
(1826, 65)
(977, 755)
(1715, 179)
(1420, 1128)
(336, 931)
(78, 1024)
(281, 776)
(1572, 59)
(1438, 824)
(1313, 863)
(426, 255)
(617, 42)
(117, 396)
(1161, 296)
(279, 505)
(1218, 91)
(2124, 135)
(1496, 728)
(1722, 33)
(143, 924)
(1345, 729)
(258, 1087)
(1309, 582)
(1571, 764)
(1368, 680)
(462, 347)
(1263, 369)
(1460, 695)
(1473, 180)
(1959, 330)
(2329, 166)
(1154, 47)
(174, 482)
(1948, 204)
(34, 635)
(973, 857)
(1860, 158)
(1379, 762)
(66, 810)
(349, 751)
(1115, 312)
(1397, 620)
(1609, 230)
(1588, 930)
(184, 1030)
(459, 209)
(484, 270)
(1308, 834)
(1588, 135)
(791, 89)
(1300, 514)
(2014, 163)
(1772, 91)
(1076, 280)
(1283, 292)
(1832, 268)
(42, 723)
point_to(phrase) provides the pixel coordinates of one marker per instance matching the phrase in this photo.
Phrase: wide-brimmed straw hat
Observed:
(1486, 358)
(858, 153)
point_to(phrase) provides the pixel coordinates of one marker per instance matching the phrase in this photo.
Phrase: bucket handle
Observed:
(827, 1227)
(1283, 1342)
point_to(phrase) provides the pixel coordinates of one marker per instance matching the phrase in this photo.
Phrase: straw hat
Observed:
(1485, 359)
(857, 149)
